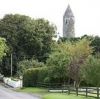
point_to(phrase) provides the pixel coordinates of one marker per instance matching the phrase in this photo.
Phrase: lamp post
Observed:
(21, 81)
(11, 65)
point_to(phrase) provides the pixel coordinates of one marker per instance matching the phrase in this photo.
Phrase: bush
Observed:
(91, 71)
(42, 74)
(28, 64)
(33, 76)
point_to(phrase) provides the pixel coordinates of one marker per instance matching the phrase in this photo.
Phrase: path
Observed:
(6, 93)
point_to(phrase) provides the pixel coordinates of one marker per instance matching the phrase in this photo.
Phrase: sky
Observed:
(86, 12)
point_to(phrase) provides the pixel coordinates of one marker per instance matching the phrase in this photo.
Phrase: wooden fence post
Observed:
(62, 89)
(97, 92)
(48, 87)
(77, 91)
(68, 89)
(86, 91)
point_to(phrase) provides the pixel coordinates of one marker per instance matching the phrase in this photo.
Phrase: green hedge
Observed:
(35, 75)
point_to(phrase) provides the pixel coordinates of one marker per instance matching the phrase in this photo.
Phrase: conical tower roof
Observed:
(68, 12)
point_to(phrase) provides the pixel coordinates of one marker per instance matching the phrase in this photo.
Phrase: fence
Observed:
(85, 91)
(64, 88)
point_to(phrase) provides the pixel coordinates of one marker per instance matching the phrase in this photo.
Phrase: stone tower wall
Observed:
(68, 24)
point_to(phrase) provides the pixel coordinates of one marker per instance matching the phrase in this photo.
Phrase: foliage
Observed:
(28, 64)
(79, 52)
(38, 39)
(26, 38)
(64, 39)
(95, 42)
(91, 71)
(96, 45)
(33, 76)
(3, 48)
(30, 77)
(66, 60)
(58, 63)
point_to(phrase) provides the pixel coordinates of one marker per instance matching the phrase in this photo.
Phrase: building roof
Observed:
(68, 12)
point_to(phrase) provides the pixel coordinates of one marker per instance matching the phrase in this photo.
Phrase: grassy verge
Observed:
(46, 95)
(33, 90)
(64, 96)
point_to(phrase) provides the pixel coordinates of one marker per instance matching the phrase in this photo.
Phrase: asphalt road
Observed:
(6, 93)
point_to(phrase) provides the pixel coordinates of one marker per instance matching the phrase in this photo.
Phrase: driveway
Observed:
(6, 93)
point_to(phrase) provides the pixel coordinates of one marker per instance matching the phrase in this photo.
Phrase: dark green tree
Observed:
(26, 38)
(3, 50)
(90, 71)
(96, 45)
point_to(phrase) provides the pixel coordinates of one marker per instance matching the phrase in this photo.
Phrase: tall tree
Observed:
(26, 37)
(57, 65)
(74, 54)
(67, 59)
(91, 71)
(3, 50)
(79, 52)
(96, 45)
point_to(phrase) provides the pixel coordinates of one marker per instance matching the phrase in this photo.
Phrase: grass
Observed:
(47, 95)
(33, 90)
(64, 96)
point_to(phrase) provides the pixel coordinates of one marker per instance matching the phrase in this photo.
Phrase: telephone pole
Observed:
(11, 64)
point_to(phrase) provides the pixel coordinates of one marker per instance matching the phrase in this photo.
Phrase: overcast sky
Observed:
(86, 12)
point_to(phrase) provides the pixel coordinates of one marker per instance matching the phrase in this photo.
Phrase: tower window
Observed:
(66, 21)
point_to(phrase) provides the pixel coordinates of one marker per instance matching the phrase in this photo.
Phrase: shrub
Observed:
(42, 74)
(33, 76)
(28, 64)
(91, 71)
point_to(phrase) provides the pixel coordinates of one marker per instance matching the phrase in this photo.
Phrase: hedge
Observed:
(33, 76)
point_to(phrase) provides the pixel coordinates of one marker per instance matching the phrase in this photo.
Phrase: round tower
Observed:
(68, 23)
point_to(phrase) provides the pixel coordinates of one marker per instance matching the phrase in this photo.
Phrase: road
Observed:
(6, 93)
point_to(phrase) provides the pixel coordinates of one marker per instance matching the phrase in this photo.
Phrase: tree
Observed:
(38, 40)
(26, 38)
(65, 39)
(57, 65)
(79, 52)
(3, 50)
(96, 45)
(91, 71)
(67, 59)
